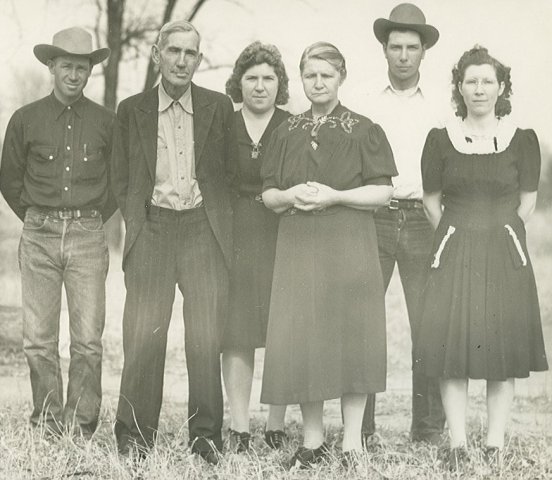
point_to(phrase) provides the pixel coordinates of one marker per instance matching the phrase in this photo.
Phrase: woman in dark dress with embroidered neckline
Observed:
(324, 172)
(260, 82)
(481, 316)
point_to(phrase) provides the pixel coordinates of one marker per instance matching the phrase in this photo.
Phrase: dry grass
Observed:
(26, 453)
(29, 454)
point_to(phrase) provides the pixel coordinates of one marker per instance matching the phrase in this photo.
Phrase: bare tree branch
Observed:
(151, 72)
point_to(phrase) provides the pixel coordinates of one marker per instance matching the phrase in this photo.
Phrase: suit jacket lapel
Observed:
(147, 117)
(204, 111)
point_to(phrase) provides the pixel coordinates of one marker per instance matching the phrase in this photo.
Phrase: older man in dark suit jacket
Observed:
(169, 174)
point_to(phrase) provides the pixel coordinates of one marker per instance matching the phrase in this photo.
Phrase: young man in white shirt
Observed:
(406, 112)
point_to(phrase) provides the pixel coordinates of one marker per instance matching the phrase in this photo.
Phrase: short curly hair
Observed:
(479, 55)
(256, 54)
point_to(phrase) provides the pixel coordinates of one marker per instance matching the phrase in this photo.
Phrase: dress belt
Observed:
(405, 204)
(154, 210)
(256, 197)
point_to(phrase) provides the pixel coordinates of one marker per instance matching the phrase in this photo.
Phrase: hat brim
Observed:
(44, 53)
(429, 33)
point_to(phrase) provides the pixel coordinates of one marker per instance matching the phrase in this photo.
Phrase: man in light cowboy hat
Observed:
(403, 106)
(54, 175)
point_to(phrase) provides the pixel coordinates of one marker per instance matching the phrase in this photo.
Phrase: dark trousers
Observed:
(173, 248)
(405, 238)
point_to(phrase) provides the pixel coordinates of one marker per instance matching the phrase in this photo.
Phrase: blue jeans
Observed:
(73, 252)
(405, 238)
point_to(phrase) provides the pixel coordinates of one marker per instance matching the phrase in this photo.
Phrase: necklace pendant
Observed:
(255, 150)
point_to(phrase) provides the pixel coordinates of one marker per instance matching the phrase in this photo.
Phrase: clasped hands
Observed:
(313, 196)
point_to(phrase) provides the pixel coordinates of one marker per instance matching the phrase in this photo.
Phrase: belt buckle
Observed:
(393, 204)
(65, 214)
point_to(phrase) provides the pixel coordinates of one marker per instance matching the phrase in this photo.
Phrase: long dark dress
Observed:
(480, 308)
(326, 330)
(255, 231)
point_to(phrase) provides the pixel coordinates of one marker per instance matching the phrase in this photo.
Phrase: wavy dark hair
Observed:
(325, 51)
(479, 55)
(256, 54)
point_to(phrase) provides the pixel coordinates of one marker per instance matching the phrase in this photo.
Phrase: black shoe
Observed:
(130, 447)
(371, 442)
(276, 439)
(458, 459)
(210, 456)
(432, 438)
(350, 459)
(239, 441)
(308, 457)
(492, 456)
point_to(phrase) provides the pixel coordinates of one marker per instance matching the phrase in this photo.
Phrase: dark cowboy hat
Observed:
(406, 17)
(71, 41)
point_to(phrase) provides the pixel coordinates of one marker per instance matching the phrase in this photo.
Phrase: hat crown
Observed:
(407, 13)
(74, 40)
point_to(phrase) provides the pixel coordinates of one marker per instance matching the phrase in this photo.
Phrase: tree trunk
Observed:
(152, 72)
(115, 10)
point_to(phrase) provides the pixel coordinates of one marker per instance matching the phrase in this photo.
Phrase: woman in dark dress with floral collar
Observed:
(258, 80)
(324, 172)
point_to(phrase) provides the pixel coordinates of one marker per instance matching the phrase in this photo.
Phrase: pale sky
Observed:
(516, 32)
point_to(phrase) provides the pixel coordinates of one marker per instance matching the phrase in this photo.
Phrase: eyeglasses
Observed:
(480, 82)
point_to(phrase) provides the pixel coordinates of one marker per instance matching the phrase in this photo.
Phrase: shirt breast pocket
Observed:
(91, 164)
(43, 160)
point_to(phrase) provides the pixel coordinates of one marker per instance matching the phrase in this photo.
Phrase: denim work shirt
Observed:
(57, 156)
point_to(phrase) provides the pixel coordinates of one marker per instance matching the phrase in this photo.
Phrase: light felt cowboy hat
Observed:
(406, 17)
(71, 41)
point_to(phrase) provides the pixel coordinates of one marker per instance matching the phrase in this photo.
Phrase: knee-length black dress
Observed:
(255, 231)
(326, 330)
(480, 309)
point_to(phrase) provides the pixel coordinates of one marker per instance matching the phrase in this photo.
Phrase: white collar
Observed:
(505, 131)
(384, 86)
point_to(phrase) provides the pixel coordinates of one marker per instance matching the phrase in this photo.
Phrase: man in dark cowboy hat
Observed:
(403, 106)
(54, 176)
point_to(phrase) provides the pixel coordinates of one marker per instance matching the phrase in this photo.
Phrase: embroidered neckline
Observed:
(505, 131)
(345, 121)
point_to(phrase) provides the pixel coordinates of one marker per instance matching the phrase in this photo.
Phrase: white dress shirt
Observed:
(406, 117)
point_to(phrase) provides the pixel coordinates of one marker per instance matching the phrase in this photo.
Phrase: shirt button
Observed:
(85, 159)
(65, 188)
(69, 127)
(67, 168)
(51, 157)
(179, 153)
(69, 107)
(181, 178)
(68, 147)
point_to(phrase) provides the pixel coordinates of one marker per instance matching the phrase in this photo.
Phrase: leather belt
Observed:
(70, 213)
(406, 204)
